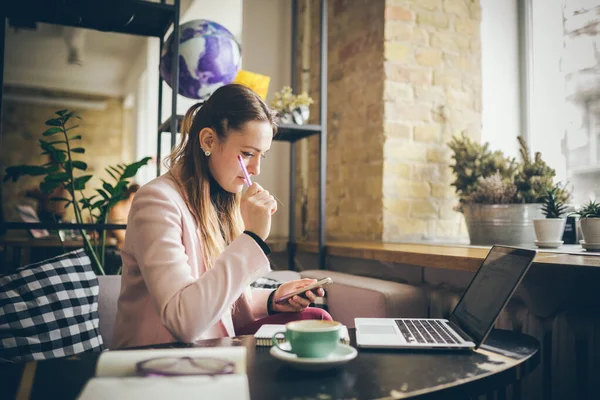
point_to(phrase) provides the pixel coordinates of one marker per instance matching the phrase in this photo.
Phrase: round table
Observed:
(504, 360)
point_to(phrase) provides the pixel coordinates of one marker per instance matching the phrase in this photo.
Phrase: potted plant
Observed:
(67, 171)
(291, 108)
(549, 231)
(589, 216)
(503, 210)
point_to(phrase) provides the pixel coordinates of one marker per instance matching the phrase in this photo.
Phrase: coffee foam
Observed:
(313, 326)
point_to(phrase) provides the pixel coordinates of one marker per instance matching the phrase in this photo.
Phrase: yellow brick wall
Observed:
(404, 76)
(434, 87)
(106, 139)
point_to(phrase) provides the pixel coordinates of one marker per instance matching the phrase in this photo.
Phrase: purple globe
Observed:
(209, 57)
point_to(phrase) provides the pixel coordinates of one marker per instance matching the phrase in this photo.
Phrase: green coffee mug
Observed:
(310, 338)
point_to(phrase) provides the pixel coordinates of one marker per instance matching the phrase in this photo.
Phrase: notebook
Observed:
(116, 378)
(265, 333)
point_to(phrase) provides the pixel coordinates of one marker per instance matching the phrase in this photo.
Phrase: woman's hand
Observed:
(257, 205)
(296, 303)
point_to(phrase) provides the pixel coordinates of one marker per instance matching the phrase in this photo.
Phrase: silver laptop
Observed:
(471, 320)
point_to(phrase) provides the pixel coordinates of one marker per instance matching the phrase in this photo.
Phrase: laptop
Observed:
(471, 320)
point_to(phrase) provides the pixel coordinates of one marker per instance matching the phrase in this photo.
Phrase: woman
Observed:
(194, 242)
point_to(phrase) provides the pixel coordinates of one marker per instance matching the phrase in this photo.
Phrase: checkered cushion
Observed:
(50, 309)
(265, 283)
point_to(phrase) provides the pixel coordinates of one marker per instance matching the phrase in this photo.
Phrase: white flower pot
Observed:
(590, 229)
(549, 230)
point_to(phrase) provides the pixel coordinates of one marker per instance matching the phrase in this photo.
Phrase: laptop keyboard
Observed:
(425, 331)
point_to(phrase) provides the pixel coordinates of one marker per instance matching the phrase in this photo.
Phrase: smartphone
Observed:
(302, 291)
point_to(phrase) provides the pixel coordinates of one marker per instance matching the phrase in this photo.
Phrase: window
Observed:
(564, 90)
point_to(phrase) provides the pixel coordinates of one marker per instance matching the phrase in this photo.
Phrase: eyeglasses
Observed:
(184, 366)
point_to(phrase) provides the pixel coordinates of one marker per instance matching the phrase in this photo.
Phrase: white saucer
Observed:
(590, 246)
(548, 245)
(342, 354)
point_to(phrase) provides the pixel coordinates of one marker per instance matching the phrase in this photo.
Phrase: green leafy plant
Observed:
(589, 210)
(474, 161)
(533, 177)
(554, 202)
(65, 170)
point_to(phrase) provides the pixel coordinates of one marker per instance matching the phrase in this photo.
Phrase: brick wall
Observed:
(355, 123)
(106, 140)
(432, 90)
(404, 76)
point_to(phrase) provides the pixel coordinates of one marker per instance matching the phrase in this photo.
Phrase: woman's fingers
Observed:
(253, 190)
(311, 296)
(299, 303)
(262, 197)
(272, 206)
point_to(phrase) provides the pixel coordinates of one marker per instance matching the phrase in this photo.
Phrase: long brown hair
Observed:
(215, 210)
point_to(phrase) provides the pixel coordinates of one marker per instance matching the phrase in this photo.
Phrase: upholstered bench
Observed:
(110, 286)
(353, 296)
(349, 297)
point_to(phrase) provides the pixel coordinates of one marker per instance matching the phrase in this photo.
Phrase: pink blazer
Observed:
(167, 293)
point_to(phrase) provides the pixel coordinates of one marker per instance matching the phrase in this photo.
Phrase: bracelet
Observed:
(261, 243)
(270, 310)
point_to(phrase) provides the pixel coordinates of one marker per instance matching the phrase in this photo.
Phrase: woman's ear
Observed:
(208, 138)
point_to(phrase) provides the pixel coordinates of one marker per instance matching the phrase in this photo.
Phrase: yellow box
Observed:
(257, 82)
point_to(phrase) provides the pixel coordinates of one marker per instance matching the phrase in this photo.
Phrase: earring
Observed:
(207, 153)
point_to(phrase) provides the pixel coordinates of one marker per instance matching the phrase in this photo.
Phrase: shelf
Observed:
(293, 133)
(445, 256)
(150, 19)
(285, 132)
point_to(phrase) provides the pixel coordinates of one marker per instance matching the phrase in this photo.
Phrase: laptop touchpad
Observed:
(377, 330)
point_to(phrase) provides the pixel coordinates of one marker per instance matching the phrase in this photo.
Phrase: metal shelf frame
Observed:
(150, 19)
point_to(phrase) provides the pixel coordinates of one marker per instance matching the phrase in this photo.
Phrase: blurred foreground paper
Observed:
(116, 377)
(257, 82)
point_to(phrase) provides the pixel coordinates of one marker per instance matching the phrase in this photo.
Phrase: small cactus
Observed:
(554, 202)
(589, 210)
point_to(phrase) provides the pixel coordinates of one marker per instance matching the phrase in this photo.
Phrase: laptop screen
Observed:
(490, 289)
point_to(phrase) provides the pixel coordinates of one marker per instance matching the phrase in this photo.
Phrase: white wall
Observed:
(500, 75)
(266, 50)
(38, 58)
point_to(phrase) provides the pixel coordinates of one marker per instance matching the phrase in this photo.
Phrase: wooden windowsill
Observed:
(456, 257)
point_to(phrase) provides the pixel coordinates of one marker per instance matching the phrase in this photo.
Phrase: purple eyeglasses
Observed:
(184, 366)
